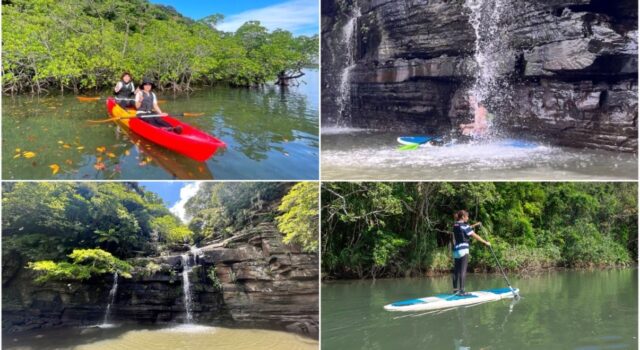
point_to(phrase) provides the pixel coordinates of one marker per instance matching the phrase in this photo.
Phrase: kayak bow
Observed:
(192, 142)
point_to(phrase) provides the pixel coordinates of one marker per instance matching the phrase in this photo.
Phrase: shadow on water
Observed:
(271, 133)
(558, 310)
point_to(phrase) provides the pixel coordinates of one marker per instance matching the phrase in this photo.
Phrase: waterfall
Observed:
(349, 40)
(186, 288)
(112, 298)
(493, 55)
(196, 252)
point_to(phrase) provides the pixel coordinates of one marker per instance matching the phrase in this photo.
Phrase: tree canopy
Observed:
(392, 229)
(47, 221)
(86, 44)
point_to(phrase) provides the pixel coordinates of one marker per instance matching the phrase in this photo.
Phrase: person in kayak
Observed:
(125, 91)
(147, 104)
(461, 233)
(480, 125)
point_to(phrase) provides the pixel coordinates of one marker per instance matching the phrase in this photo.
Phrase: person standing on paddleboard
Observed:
(125, 90)
(147, 104)
(462, 232)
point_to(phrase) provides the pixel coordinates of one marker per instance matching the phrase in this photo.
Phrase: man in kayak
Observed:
(125, 90)
(461, 233)
(147, 104)
(480, 125)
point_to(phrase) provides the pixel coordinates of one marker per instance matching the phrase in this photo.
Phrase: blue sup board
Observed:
(444, 301)
(414, 140)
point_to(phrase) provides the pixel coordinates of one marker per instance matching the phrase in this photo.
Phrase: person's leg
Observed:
(456, 274)
(463, 270)
(158, 121)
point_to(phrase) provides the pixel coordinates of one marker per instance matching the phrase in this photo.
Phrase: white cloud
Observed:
(186, 192)
(297, 16)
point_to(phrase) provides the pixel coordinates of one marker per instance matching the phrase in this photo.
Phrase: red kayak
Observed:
(192, 142)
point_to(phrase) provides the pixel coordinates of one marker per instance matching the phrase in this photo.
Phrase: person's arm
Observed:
(476, 236)
(118, 87)
(156, 108)
(139, 99)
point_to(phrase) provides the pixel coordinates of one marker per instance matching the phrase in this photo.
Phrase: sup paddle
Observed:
(186, 114)
(515, 294)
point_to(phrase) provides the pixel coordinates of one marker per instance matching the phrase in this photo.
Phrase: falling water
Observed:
(349, 35)
(186, 288)
(493, 55)
(112, 298)
(196, 252)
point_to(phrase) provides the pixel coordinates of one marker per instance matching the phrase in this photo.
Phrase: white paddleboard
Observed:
(443, 301)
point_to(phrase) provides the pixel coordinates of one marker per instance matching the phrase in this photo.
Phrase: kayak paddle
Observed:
(186, 114)
(98, 98)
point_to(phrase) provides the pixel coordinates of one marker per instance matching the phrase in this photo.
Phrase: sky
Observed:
(297, 16)
(175, 194)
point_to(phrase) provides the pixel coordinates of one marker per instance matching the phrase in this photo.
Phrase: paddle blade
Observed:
(103, 120)
(411, 147)
(87, 98)
(186, 114)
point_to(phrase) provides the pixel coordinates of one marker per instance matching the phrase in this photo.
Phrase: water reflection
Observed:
(271, 133)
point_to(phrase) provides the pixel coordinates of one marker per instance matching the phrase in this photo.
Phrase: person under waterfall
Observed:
(480, 125)
(462, 232)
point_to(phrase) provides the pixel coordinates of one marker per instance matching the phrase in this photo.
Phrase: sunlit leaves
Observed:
(299, 220)
(51, 44)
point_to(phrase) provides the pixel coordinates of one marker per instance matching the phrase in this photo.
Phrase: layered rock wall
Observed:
(259, 282)
(570, 77)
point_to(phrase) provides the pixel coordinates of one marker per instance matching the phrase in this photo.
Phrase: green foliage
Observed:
(85, 264)
(171, 229)
(46, 221)
(217, 285)
(299, 221)
(220, 209)
(150, 269)
(390, 229)
(79, 45)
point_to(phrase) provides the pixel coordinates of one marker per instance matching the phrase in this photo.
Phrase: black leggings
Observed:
(156, 121)
(460, 272)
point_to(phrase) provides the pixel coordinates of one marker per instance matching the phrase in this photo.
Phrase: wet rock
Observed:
(570, 74)
(254, 281)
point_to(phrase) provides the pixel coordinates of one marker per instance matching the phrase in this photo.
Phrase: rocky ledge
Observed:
(250, 280)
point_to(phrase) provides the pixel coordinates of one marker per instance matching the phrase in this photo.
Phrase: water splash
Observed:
(112, 299)
(349, 40)
(186, 288)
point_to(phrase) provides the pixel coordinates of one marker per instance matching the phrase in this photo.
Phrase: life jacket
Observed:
(460, 237)
(127, 90)
(147, 103)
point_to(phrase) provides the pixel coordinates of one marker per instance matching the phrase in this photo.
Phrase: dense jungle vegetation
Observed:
(76, 45)
(403, 229)
(78, 230)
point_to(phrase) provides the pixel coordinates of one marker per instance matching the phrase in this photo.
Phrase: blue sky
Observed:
(174, 193)
(297, 16)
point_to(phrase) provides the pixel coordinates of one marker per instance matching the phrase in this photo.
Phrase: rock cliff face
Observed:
(569, 67)
(259, 282)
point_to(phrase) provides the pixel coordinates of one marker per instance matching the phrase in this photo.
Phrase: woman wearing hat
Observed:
(147, 104)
